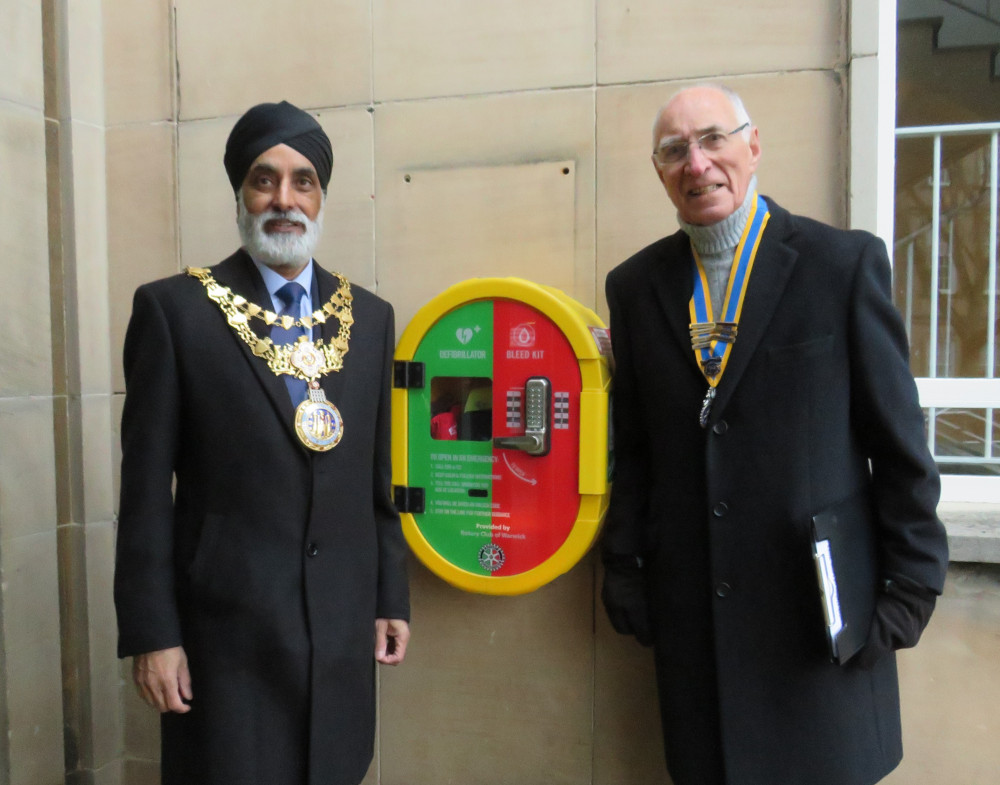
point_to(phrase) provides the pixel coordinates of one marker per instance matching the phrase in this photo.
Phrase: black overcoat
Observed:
(817, 406)
(268, 562)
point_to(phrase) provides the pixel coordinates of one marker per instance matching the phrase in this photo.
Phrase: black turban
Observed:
(266, 125)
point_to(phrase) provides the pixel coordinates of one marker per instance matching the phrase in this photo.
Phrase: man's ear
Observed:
(659, 171)
(754, 148)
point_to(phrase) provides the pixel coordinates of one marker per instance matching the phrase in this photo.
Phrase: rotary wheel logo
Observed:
(491, 557)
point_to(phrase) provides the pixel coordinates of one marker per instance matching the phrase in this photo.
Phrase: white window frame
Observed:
(873, 136)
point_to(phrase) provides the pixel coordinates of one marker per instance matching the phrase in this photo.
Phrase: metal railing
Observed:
(980, 410)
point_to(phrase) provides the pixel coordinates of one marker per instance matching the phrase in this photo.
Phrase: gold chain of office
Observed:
(239, 311)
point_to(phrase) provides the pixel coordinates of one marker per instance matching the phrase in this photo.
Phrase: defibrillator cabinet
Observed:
(500, 434)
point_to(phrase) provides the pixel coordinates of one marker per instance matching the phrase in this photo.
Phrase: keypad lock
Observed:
(537, 414)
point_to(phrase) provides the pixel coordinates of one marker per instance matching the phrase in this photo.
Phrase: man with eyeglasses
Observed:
(763, 407)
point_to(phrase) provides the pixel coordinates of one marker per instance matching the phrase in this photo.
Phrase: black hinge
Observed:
(407, 375)
(408, 499)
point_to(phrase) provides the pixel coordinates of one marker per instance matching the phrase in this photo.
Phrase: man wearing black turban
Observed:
(267, 125)
(259, 553)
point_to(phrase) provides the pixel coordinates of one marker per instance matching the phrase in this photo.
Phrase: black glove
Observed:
(901, 612)
(624, 597)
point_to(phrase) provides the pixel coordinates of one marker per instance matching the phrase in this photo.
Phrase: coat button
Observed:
(312, 550)
(720, 427)
(720, 509)
(723, 590)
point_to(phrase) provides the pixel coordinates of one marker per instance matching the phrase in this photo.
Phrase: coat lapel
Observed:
(239, 274)
(332, 383)
(673, 282)
(772, 268)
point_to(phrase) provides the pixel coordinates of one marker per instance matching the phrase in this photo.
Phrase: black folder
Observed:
(846, 560)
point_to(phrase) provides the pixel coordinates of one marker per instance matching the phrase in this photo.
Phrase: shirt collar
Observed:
(274, 281)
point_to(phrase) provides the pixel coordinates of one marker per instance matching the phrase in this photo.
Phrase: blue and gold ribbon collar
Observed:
(713, 340)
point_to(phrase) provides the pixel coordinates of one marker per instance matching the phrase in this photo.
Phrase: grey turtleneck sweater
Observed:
(716, 245)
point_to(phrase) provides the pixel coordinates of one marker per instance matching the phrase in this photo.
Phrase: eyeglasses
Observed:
(677, 151)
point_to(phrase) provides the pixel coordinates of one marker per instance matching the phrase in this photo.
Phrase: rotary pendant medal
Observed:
(706, 407)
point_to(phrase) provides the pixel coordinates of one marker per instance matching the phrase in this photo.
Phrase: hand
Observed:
(163, 679)
(624, 597)
(391, 637)
(899, 619)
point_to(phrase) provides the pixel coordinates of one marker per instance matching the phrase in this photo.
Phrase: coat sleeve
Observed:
(145, 600)
(625, 522)
(393, 600)
(913, 545)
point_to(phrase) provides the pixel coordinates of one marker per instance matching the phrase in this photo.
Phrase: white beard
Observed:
(284, 249)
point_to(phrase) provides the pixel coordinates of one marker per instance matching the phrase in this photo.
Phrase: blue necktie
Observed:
(290, 296)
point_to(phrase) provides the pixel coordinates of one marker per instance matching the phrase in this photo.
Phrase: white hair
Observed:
(742, 115)
(278, 250)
